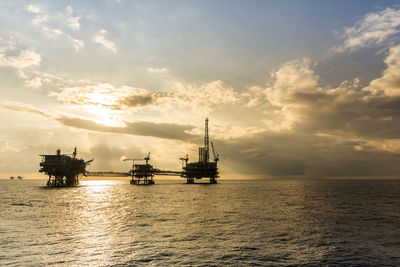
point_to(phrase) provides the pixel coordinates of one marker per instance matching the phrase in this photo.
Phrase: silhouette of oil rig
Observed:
(64, 170)
(142, 173)
(204, 168)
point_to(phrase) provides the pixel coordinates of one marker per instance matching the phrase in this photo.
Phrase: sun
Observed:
(104, 115)
(102, 105)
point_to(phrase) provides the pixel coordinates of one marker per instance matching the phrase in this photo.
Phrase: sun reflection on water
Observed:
(96, 217)
(98, 183)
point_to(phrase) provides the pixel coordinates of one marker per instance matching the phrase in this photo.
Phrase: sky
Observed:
(307, 89)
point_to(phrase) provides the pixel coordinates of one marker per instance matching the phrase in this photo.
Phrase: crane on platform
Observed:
(147, 158)
(216, 156)
(185, 159)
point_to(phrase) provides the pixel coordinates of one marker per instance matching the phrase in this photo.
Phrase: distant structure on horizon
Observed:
(62, 169)
(19, 177)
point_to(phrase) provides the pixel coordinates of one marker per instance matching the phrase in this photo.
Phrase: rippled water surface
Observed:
(241, 223)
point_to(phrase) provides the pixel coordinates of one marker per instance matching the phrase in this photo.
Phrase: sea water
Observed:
(240, 223)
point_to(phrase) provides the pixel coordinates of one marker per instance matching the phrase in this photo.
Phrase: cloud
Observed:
(46, 21)
(342, 131)
(33, 9)
(40, 19)
(374, 29)
(25, 59)
(206, 97)
(106, 103)
(107, 156)
(291, 78)
(299, 101)
(107, 96)
(389, 83)
(100, 39)
(78, 44)
(158, 130)
(21, 107)
(141, 100)
(300, 154)
(156, 70)
(143, 128)
(113, 105)
(34, 78)
(42, 16)
(35, 82)
(24, 62)
(7, 44)
(72, 22)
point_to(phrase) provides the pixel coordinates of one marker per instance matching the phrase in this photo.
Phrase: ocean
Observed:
(239, 223)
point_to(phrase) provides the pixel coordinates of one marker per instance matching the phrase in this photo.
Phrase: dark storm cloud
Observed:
(141, 100)
(351, 113)
(304, 155)
(159, 130)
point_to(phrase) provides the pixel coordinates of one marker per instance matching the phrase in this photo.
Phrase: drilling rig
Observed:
(204, 168)
(62, 169)
(142, 174)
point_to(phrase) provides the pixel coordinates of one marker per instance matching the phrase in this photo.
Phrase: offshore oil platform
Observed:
(142, 173)
(64, 170)
(204, 168)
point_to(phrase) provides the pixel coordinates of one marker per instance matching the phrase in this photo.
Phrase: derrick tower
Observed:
(206, 143)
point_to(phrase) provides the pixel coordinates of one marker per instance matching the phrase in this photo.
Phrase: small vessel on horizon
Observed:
(20, 177)
(11, 177)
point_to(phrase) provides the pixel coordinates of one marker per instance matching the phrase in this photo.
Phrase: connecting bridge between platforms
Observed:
(143, 174)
